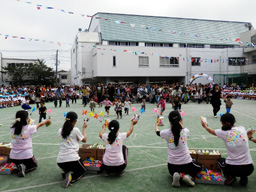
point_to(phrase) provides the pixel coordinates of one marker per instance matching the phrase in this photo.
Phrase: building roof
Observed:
(140, 28)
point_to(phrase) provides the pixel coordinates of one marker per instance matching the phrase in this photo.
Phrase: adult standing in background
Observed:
(215, 99)
(58, 96)
(100, 92)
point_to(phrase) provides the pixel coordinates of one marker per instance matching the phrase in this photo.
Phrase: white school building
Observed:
(144, 49)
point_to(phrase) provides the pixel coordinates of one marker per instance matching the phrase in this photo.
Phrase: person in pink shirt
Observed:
(115, 156)
(180, 164)
(107, 105)
(22, 152)
(162, 103)
(239, 160)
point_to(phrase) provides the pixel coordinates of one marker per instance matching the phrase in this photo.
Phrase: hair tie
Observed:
(112, 128)
(18, 119)
(227, 123)
(67, 119)
(175, 117)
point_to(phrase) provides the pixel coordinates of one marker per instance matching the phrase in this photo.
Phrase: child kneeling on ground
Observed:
(115, 156)
(68, 159)
(180, 163)
(22, 152)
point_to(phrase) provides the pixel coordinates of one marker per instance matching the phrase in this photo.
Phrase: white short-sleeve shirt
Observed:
(69, 146)
(22, 143)
(177, 155)
(236, 142)
(113, 155)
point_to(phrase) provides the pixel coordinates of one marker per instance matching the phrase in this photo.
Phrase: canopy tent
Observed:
(201, 75)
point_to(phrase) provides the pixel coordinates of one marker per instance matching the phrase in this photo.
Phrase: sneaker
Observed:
(176, 180)
(121, 174)
(243, 181)
(67, 180)
(230, 180)
(21, 170)
(188, 180)
(106, 174)
(215, 116)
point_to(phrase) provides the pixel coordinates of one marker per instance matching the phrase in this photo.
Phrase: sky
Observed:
(22, 19)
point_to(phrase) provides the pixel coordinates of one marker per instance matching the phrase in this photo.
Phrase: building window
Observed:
(64, 76)
(169, 62)
(192, 45)
(143, 61)
(114, 61)
(253, 59)
(195, 61)
(158, 44)
(221, 46)
(236, 61)
(254, 40)
(117, 43)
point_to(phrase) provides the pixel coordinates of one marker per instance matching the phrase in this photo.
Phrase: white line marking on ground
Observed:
(244, 114)
(5, 134)
(46, 144)
(54, 183)
(204, 138)
(43, 158)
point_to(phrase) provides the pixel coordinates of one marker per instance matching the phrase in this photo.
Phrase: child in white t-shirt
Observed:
(115, 156)
(68, 159)
(239, 160)
(22, 152)
(180, 163)
(127, 105)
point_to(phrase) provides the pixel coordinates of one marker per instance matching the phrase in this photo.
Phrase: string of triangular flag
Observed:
(5, 36)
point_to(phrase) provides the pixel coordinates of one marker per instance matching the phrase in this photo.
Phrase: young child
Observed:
(92, 104)
(115, 156)
(127, 105)
(185, 97)
(143, 104)
(119, 107)
(42, 111)
(22, 151)
(67, 101)
(162, 102)
(107, 105)
(239, 162)
(68, 159)
(180, 163)
(176, 104)
(229, 103)
(25, 104)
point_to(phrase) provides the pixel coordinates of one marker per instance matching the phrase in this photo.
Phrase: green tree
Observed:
(43, 75)
(34, 73)
(18, 72)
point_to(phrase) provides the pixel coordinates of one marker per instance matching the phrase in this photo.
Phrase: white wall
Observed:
(127, 63)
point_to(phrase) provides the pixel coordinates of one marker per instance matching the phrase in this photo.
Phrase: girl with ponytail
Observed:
(239, 160)
(22, 151)
(115, 156)
(68, 159)
(180, 163)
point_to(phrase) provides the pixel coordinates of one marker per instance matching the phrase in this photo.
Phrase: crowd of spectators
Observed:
(11, 96)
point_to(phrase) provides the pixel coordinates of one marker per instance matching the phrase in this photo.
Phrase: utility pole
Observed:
(56, 67)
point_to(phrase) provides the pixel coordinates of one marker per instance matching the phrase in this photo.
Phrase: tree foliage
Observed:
(34, 73)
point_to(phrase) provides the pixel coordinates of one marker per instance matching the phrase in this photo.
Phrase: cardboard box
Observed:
(2, 150)
(86, 153)
(193, 154)
(100, 153)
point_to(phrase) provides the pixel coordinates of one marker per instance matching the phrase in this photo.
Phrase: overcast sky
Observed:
(18, 18)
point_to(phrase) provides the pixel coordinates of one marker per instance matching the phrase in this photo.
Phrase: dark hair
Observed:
(113, 127)
(229, 96)
(67, 126)
(228, 121)
(174, 118)
(21, 120)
